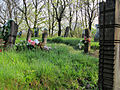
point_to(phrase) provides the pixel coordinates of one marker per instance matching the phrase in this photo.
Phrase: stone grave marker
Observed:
(13, 33)
(109, 58)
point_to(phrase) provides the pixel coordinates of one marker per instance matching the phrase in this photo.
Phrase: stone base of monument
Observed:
(109, 58)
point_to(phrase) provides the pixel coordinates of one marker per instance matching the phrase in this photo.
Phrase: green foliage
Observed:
(61, 68)
(77, 32)
(5, 31)
(68, 41)
(95, 45)
(93, 32)
(72, 42)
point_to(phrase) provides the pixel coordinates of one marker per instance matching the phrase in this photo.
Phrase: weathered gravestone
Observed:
(67, 32)
(9, 33)
(109, 58)
(13, 33)
(87, 41)
(44, 37)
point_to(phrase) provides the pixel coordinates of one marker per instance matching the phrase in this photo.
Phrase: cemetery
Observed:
(49, 53)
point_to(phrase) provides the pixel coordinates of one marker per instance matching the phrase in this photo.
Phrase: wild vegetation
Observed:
(55, 15)
(65, 66)
(74, 42)
(61, 68)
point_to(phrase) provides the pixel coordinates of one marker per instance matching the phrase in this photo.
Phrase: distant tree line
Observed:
(55, 15)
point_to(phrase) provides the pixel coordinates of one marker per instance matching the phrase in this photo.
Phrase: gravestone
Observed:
(87, 41)
(8, 33)
(13, 33)
(109, 58)
(44, 37)
(67, 32)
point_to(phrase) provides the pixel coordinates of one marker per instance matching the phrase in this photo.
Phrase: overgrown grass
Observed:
(61, 68)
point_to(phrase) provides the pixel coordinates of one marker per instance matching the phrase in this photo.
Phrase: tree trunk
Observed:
(70, 22)
(76, 20)
(52, 26)
(26, 19)
(49, 22)
(82, 17)
(9, 9)
(85, 18)
(49, 26)
(36, 14)
(67, 32)
(59, 26)
(90, 25)
(53, 21)
(28, 34)
(52, 31)
(35, 22)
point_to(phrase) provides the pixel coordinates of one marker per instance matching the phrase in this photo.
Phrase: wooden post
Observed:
(87, 41)
(13, 33)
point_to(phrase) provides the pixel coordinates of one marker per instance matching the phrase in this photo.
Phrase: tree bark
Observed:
(76, 20)
(26, 19)
(53, 21)
(90, 25)
(59, 14)
(28, 35)
(59, 25)
(70, 21)
(49, 22)
(36, 14)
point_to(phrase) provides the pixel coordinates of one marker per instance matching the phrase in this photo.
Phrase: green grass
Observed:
(61, 68)
(72, 42)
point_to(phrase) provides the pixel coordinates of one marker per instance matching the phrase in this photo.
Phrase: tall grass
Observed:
(60, 68)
